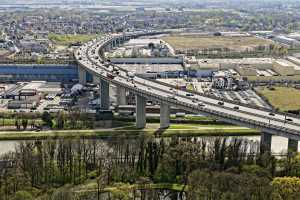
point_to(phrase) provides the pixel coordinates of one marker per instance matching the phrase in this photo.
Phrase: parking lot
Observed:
(244, 96)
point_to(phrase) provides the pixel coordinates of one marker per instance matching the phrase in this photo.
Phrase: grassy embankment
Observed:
(183, 130)
(282, 98)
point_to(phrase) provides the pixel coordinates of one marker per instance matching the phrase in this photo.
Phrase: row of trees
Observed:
(206, 168)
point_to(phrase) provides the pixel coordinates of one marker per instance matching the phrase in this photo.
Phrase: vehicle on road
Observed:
(110, 76)
(201, 104)
(172, 97)
(221, 103)
(189, 95)
(272, 114)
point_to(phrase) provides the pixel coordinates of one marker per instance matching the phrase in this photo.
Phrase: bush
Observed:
(23, 195)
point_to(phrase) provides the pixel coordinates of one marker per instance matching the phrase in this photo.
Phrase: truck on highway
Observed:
(110, 76)
(130, 75)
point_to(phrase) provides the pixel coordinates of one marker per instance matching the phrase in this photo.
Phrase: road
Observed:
(88, 57)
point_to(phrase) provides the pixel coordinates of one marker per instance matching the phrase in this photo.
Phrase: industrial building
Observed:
(246, 67)
(286, 68)
(288, 41)
(44, 72)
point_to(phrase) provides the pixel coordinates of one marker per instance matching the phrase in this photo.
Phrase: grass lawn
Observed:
(70, 39)
(181, 130)
(283, 98)
(91, 186)
(183, 42)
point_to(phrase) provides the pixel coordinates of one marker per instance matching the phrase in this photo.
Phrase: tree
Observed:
(17, 124)
(47, 119)
(23, 195)
(24, 123)
(286, 188)
(60, 120)
(63, 194)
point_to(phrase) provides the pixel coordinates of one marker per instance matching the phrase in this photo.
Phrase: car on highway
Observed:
(289, 119)
(172, 97)
(272, 114)
(201, 104)
(236, 107)
(110, 76)
(130, 75)
(221, 103)
(189, 95)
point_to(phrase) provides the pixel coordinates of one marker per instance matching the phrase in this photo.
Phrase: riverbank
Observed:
(183, 130)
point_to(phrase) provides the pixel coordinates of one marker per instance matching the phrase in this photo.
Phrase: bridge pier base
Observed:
(164, 115)
(121, 96)
(81, 75)
(292, 145)
(140, 117)
(104, 95)
(265, 142)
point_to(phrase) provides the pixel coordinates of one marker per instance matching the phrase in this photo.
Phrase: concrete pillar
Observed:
(121, 96)
(104, 95)
(265, 142)
(292, 145)
(81, 75)
(164, 115)
(96, 79)
(140, 118)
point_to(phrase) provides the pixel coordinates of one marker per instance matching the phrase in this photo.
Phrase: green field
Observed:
(70, 39)
(283, 98)
(181, 130)
(183, 42)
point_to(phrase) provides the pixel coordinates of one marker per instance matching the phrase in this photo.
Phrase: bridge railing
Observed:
(231, 101)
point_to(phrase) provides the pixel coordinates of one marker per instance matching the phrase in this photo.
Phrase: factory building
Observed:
(286, 68)
(288, 41)
(45, 72)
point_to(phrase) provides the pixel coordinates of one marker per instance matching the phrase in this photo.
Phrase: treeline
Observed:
(58, 121)
(205, 168)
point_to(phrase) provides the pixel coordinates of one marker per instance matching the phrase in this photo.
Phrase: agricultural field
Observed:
(283, 98)
(199, 42)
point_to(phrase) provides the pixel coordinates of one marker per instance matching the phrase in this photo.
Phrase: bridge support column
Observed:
(81, 75)
(265, 142)
(104, 95)
(140, 117)
(108, 47)
(292, 145)
(96, 79)
(121, 96)
(164, 115)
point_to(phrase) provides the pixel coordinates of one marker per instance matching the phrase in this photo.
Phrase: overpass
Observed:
(90, 59)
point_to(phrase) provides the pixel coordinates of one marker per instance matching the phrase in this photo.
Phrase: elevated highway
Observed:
(90, 58)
